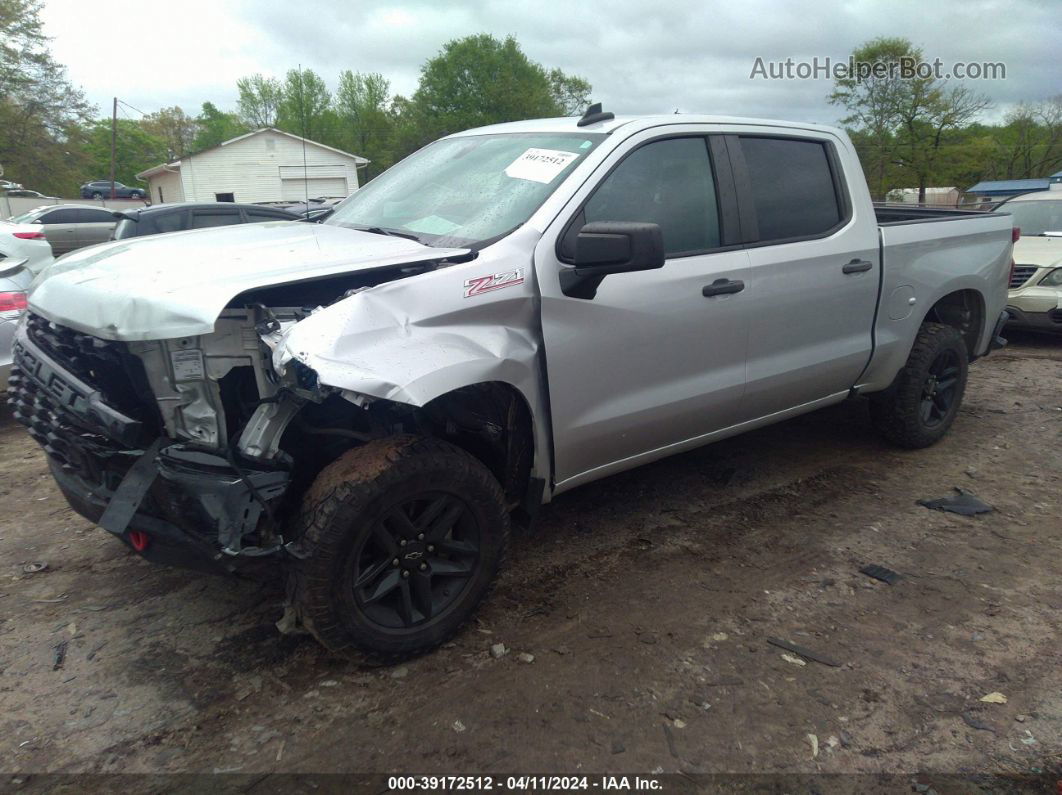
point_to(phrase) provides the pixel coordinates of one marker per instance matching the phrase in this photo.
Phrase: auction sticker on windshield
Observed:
(540, 165)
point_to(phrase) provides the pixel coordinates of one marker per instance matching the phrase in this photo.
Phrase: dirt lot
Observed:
(646, 601)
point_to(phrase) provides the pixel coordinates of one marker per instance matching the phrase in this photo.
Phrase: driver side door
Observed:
(655, 361)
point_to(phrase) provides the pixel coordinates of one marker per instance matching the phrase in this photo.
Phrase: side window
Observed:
(668, 183)
(256, 217)
(170, 222)
(90, 216)
(64, 216)
(793, 187)
(201, 220)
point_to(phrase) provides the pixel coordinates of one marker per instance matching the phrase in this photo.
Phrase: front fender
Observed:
(412, 340)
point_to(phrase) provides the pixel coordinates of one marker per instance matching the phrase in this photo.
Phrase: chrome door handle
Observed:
(722, 287)
(857, 266)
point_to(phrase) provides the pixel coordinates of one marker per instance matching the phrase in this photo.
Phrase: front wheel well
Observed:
(492, 421)
(963, 310)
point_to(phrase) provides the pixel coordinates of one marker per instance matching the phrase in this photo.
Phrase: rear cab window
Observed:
(794, 187)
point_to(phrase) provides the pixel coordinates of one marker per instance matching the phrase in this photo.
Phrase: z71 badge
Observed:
(485, 284)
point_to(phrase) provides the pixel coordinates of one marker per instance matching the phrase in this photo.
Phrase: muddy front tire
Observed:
(922, 403)
(402, 539)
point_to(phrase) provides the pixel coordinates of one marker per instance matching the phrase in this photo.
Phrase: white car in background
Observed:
(1034, 300)
(27, 242)
(14, 284)
(24, 253)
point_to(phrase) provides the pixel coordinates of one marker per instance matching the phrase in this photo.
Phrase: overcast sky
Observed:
(642, 56)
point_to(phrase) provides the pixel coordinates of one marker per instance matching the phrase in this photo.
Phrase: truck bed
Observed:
(893, 214)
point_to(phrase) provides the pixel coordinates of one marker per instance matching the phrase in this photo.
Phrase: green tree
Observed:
(930, 119)
(41, 113)
(1029, 143)
(909, 122)
(135, 150)
(366, 123)
(571, 93)
(173, 126)
(480, 80)
(305, 107)
(872, 104)
(216, 126)
(259, 101)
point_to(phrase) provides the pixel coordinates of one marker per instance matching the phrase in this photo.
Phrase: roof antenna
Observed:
(594, 114)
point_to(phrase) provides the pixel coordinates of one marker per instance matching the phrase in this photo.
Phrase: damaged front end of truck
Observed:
(196, 449)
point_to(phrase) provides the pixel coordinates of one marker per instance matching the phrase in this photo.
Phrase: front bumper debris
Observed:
(196, 508)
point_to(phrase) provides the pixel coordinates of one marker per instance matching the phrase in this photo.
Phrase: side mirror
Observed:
(607, 247)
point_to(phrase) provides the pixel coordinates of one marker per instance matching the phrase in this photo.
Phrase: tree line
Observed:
(52, 140)
(922, 132)
(909, 133)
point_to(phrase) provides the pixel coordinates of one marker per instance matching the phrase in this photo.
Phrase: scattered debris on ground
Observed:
(964, 504)
(887, 576)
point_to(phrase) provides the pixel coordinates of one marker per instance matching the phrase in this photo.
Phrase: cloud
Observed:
(641, 56)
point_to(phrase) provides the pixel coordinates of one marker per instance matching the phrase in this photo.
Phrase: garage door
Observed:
(299, 189)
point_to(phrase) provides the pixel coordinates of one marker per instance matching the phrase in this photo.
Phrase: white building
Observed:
(264, 165)
(948, 197)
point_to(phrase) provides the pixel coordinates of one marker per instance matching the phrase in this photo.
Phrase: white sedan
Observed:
(25, 242)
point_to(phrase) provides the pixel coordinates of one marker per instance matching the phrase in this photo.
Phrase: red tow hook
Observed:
(139, 539)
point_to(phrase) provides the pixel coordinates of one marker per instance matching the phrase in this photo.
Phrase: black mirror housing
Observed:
(607, 247)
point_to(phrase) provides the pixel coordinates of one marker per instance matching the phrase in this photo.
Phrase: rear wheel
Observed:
(404, 537)
(920, 406)
(97, 195)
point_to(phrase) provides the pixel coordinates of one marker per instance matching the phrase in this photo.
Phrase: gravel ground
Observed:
(635, 617)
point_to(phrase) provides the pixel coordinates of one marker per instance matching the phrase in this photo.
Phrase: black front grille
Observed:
(76, 449)
(1021, 274)
(103, 365)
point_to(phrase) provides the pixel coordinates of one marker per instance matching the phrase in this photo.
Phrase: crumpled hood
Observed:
(176, 285)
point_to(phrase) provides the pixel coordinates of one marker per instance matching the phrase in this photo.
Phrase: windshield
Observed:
(467, 190)
(1036, 217)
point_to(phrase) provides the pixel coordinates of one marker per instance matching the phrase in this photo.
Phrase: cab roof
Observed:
(633, 124)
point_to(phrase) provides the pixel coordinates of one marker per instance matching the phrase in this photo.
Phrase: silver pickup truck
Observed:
(507, 314)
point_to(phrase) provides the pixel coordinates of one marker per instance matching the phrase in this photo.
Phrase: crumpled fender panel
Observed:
(414, 339)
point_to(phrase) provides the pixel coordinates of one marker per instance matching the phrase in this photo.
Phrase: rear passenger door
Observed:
(814, 270)
(94, 226)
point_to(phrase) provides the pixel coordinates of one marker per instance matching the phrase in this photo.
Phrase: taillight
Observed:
(13, 302)
(1015, 233)
(29, 235)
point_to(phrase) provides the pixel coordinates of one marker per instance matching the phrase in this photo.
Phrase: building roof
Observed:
(1012, 187)
(176, 164)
